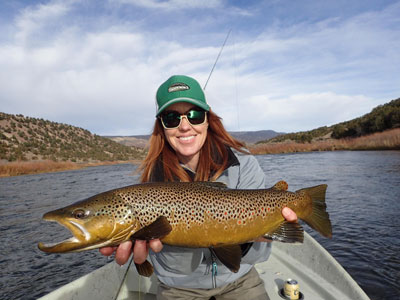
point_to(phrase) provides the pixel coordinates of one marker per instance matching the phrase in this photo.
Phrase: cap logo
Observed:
(177, 87)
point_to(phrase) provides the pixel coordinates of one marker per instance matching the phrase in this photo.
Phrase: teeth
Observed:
(186, 138)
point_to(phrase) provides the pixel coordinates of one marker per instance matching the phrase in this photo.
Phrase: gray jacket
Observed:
(191, 268)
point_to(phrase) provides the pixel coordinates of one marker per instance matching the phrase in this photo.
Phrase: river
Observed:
(362, 197)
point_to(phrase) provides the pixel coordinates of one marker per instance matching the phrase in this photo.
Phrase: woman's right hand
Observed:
(140, 250)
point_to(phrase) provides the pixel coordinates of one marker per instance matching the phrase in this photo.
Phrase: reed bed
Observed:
(46, 166)
(33, 167)
(387, 140)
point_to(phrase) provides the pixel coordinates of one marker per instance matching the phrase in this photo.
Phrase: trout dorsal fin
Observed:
(156, 230)
(281, 186)
(230, 256)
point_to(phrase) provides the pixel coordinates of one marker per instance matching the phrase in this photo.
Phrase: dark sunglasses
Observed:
(172, 119)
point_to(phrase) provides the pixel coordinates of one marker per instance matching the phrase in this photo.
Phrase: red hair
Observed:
(213, 158)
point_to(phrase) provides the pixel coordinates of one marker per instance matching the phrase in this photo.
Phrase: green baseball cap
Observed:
(180, 88)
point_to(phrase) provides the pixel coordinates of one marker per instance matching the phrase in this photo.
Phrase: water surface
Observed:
(362, 197)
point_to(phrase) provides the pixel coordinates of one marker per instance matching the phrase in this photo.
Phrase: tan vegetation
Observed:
(16, 168)
(33, 167)
(389, 139)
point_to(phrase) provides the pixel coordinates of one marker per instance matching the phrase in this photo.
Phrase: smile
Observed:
(187, 138)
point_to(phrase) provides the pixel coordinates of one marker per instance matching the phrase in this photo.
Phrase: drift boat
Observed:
(319, 276)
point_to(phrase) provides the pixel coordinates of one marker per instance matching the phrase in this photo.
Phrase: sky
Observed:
(287, 66)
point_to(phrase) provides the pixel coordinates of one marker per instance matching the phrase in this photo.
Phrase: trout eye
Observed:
(80, 213)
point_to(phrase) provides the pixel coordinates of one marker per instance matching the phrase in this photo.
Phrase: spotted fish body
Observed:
(204, 215)
(197, 214)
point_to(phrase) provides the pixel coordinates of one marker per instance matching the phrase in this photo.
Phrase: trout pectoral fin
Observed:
(144, 269)
(287, 232)
(156, 230)
(230, 256)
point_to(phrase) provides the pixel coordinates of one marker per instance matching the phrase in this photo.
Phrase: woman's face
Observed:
(186, 139)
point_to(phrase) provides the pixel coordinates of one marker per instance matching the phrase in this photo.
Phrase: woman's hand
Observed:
(140, 250)
(289, 214)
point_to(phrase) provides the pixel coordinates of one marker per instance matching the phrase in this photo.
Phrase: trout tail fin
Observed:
(319, 218)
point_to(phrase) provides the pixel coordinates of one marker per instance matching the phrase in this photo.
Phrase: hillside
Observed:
(381, 118)
(249, 137)
(131, 141)
(26, 138)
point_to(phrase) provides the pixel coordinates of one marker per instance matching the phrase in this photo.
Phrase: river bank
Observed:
(386, 140)
(17, 168)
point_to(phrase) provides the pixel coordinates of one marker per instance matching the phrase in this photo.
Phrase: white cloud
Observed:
(32, 19)
(285, 78)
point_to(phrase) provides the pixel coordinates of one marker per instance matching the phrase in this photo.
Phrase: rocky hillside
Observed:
(381, 118)
(25, 138)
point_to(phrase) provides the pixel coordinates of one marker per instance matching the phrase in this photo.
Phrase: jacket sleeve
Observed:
(251, 176)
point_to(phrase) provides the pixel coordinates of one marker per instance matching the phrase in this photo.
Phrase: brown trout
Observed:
(190, 214)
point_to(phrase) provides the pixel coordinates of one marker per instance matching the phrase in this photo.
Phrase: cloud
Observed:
(103, 77)
(34, 18)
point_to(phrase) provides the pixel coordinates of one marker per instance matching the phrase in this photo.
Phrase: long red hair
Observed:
(213, 158)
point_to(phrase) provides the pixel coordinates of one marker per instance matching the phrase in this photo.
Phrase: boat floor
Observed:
(319, 275)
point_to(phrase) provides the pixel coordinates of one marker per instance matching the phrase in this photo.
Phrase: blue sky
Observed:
(287, 65)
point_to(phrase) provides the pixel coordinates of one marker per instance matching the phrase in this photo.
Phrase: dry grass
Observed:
(46, 166)
(34, 167)
(387, 140)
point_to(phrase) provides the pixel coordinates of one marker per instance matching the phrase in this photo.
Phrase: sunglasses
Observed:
(173, 119)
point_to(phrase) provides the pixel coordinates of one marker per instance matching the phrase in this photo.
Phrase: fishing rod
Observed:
(215, 63)
(212, 70)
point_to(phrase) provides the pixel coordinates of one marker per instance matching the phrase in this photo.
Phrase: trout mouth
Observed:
(78, 242)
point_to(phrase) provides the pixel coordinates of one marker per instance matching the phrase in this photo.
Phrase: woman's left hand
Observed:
(289, 214)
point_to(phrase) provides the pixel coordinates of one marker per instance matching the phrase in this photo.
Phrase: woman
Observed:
(189, 143)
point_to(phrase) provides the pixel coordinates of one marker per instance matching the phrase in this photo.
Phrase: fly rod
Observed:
(219, 54)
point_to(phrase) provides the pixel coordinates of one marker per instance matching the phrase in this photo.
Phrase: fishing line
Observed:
(123, 278)
(235, 75)
(215, 63)
(236, 85)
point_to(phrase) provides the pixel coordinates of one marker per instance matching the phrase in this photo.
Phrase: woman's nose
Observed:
(185, 125)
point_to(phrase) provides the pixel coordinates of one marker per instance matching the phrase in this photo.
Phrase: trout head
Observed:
(101, 220)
